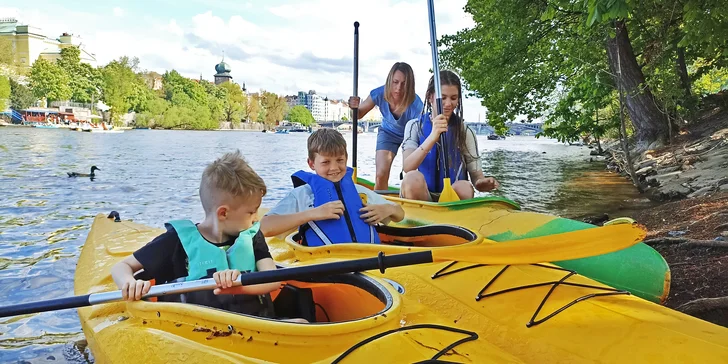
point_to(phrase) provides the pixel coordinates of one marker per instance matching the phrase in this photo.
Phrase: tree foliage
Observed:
(4, 90)
(234, 103)
(275, 107)
(85, 81)
(562, 60)
(300, 114)
(50, 81)
(21, 97)
(122, 86)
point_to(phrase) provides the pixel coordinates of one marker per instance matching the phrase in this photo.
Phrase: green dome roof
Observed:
(222, 67)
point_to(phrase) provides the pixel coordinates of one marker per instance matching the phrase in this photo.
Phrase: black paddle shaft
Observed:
(381, 262)
(43, 306)
(355, 111)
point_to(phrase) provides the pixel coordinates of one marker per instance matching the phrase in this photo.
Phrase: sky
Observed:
(281, 46)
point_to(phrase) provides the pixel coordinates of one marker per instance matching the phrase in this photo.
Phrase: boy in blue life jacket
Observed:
(327, 206)
(222, 246)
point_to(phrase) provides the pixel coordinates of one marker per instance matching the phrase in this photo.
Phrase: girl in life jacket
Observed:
(423, 164)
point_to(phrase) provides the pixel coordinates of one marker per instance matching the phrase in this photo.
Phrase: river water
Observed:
(152, 176)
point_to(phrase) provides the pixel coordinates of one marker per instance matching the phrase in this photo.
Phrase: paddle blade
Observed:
(448, 193)
(550, 248)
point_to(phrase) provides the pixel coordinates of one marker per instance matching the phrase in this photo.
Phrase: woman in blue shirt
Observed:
(398, 103)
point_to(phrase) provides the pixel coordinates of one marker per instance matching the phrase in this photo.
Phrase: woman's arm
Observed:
(364, 107)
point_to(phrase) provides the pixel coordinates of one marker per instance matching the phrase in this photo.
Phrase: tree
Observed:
(21, 97)
(234, 103)
(4, 90)
(7, 51)
(275, 107)
(253, 109)
(48, 80)
(182, 91)
(519, 54)
(120, 86)
(86, 81)
(300, 114)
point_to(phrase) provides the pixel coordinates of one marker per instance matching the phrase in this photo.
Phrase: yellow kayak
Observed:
(453, 312)
(639, 269)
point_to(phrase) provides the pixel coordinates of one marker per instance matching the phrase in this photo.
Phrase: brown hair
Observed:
(409, 87)
(449, 78)
(226, 178)
(326, 141)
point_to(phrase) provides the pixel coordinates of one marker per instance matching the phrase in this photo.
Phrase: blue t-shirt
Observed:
(389, 122)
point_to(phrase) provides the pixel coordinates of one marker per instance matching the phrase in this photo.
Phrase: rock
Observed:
(668, 169)
(594, 152)
(646, 163)
(723, 188)
(51, 357)
(645, 170)
(673, 191)
(725, 233)
(702, 192)
(676, 233)
(596, 220)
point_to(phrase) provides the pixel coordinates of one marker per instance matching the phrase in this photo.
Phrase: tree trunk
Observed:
(649, 123)
(682, 71)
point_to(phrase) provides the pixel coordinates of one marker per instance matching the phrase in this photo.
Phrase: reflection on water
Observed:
(153, 176)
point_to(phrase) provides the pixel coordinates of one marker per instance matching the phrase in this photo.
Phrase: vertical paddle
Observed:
(355, 111)
(448, 194)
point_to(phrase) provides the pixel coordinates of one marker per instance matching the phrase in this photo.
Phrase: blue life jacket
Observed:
(350, 227)
(205, 258)
(433, 167)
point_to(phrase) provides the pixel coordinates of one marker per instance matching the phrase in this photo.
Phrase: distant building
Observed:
(292, 101)
(223, 72)
(337, 110)
(153, 80)
(314, 103)
(30, 44)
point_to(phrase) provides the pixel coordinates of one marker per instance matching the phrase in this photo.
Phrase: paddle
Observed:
(571, 245)
(355, 111)
(448, 194)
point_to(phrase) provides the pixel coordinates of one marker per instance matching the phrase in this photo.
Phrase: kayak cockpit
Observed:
(332, 299)
(426, 236)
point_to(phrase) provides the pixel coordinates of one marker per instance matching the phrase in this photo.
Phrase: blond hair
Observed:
(409, 87)
(326, 141)
(228, 178)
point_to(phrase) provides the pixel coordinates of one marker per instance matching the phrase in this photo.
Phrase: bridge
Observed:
(366, 125)
(479, 128)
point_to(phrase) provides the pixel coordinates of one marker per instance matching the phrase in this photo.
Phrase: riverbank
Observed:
(689, 226)
(692, 236)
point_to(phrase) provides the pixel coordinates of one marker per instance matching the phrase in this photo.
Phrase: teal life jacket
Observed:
(205, 258)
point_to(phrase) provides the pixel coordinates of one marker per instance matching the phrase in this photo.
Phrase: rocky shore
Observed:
(689, 227)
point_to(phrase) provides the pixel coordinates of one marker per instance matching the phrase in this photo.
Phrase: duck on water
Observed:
(92, 174)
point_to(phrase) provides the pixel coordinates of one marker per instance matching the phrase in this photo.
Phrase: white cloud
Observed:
(297, 46)
(118, 11)
(173, 28)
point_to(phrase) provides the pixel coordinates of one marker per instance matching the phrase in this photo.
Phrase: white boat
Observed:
(102, 129)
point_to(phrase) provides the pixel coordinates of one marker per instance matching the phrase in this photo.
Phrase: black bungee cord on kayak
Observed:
(533, 321)
(470, 337)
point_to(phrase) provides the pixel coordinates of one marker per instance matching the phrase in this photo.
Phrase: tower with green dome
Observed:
(223, 72)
